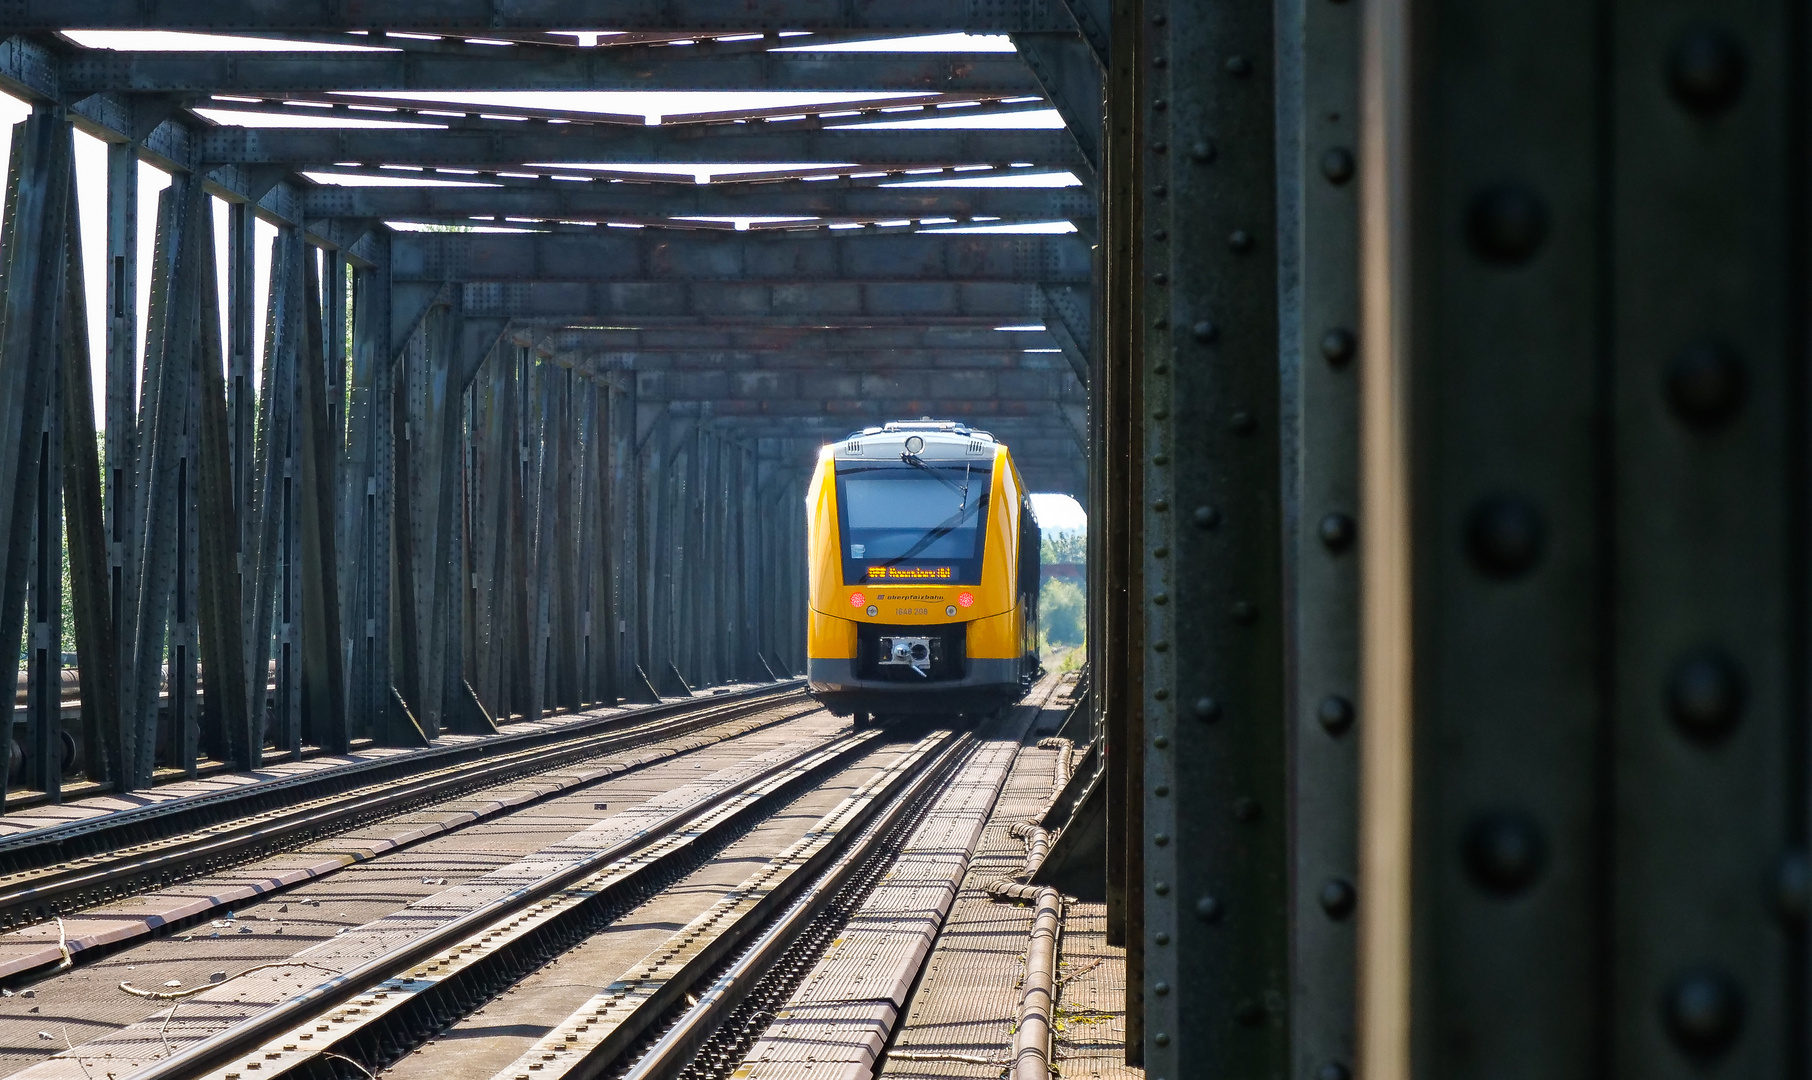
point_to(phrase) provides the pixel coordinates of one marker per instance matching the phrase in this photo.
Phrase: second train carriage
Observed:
(924, 573)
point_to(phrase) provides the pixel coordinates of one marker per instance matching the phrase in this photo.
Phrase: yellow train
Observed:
(924, 566)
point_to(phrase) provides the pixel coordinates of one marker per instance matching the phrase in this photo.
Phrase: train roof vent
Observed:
(854, 447)
(976, 447)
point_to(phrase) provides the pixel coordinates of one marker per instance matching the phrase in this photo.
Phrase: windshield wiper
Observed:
(936, 532)
(918, 462)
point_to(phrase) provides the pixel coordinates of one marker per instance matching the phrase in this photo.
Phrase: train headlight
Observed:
(873, 611)
(951, 610)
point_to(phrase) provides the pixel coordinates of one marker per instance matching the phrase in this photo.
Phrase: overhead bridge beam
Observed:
(973, 392)
(655, 256)
(485, 17)
(802, 340)
(543, 69)
(823, 361)
(817, 303)
(599, 145)
(619, 202)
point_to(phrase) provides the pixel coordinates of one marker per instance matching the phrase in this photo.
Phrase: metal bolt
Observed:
(1160, 988)
(1504, 852)
(1204, 331)
(1160, 646)
(1160, 552)
(1245, 808)
(1159, 147)
(1207, 517)
(1160, 506)
(1161, 599)
(1706, 69)
(1703, 1011)
(1506, 224)
(1706, 385)
(1161, 1039)
(1160, 694)
(1162, 888)
(1160, 323)
(1504, 536)
(1161, 790)
(1206, 708)
(1706, 695)
(1160, 190)
(1244, 612)
(1160, 234)
(1203, 150)
(1792, 884)
(1161, 742)
(1159, 62)
(1337, 898)
(1160, 277)
(1337, 532)
(1335, 714)
(1159, 105)
(1208, 909)
(1239, 66)
(1160, 839)
(1242, 422)
(1240, 240)
(1337, 165)
(1160, 459)
(1161, 938)
(1338, 346)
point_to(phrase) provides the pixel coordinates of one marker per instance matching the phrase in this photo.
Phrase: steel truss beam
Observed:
(627, 202)
(486, 17)
(823, 361)
(967, 392)
(876, 148)
(578, 69)
(788, 340)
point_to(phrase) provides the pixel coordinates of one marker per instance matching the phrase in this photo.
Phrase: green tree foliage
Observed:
(1064, 547)
(1061, 612)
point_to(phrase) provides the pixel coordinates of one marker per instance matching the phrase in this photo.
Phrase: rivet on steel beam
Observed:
(1338, 346)
(1160, 190)
(1337, 165)
(1161, 839)
(1243, 612)
(1337, 532)
(1204, 331)
(1160, 988)
(1158, 20)
(1706, 69)
(1203, 151)
(1160, 506)
(1160, 234)
(1161, 790)
(1159, 105)
(1160, 599)
(1207, 517)
(1792, 885)
(1335, 714)
(1706, 385)
(1160, 147)
(1162, 888)
(1160, 694)
(1245, 808)
(1703, 1011)
(1206, 708)
(1161, 743)
(1160, 277)
(1240, 240)
(1239, 65)
(1160, 646)
(1208, 909)
(1706, 695)
(1505, 536)
(1337, 898)
(1242, 422)
(1161, 938)
(1504, 852)
(1160, 323)
(1160, 552)
(1161, 1039)
(1506, 224)
(1250, 1012)
(1159, 62)
(1160, 459)
(1333, 1070)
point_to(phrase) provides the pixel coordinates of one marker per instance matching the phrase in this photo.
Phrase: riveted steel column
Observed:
(323, 720)
(1317, 111)
(120, 418)
(1216, 799)
(1709, 548)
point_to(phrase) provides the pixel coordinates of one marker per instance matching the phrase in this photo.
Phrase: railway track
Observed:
(358, 1020)
(63, 868)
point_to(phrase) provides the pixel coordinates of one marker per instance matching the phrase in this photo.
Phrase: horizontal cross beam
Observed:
(728, 304)
(622, 202)
(484, 17)
(600, 145)
(788, 339)
(974, 393)
(544, 69)
(820, 362)
(655, 256)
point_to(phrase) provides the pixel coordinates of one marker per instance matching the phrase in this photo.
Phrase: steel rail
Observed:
(75, 883)
(602, 1031)
(470, 932)
(682, 1039)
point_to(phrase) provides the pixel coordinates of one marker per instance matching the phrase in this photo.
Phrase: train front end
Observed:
(923, 579)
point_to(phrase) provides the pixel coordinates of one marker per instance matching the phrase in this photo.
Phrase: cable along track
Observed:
(198, 836)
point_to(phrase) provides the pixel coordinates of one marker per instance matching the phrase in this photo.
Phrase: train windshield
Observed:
(913, 521)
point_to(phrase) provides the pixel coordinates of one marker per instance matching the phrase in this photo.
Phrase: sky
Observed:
(91, 167)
